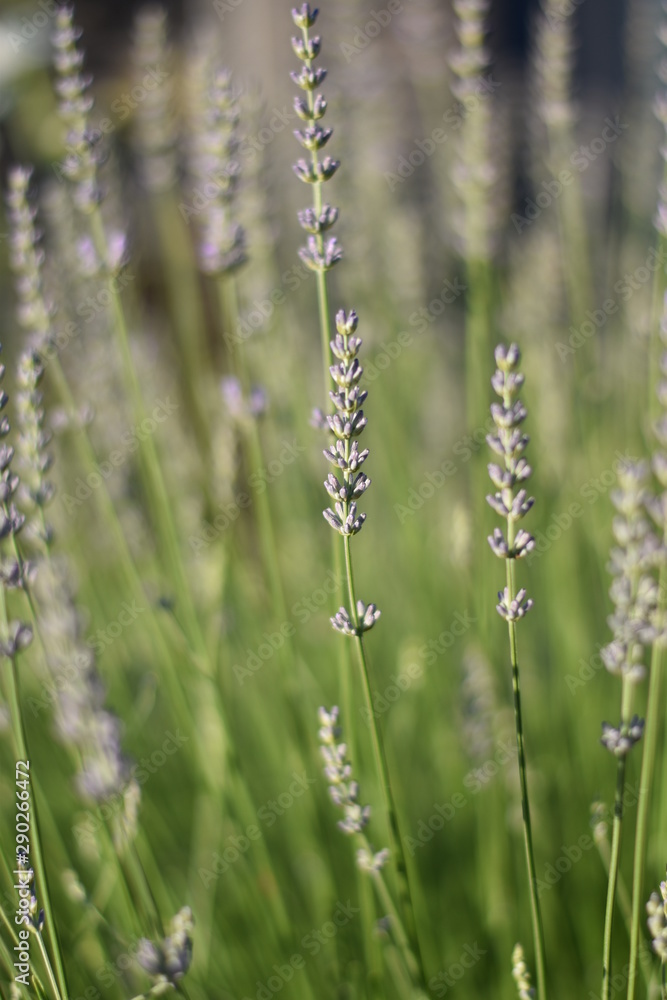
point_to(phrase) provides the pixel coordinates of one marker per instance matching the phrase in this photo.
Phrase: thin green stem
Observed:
(36, 855)
(625, 906)
(14, 939)
(382, 768)
(227, 298)
(324, 314)
(48, 966)
(651, 733)
(535, 910)
(615, 850)
(152, 473)
(400, 935)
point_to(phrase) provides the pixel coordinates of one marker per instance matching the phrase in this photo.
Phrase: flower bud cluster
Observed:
(510, 501)
(321, 251)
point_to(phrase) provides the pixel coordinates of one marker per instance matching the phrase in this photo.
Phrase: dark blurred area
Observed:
(599, 24)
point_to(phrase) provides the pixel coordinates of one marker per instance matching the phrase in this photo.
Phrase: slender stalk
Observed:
(535, 910)
(510, 443)
(314, 112)
(652, 729)
(153, 480)
(47, 965)
(14, 940)
(382, 768)
(402, 940)
(227, 297)
(625, 906)
(36, 844)
(615, 850)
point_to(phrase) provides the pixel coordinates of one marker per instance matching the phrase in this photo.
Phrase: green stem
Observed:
(227, 297)
(625, 906)
(324, 314)
(14, 940)
(382, 768)
(35, 845)
(615, 851)
(535, 910)
(652, 727)
(155, 486)
(47, 965)
(399, 932)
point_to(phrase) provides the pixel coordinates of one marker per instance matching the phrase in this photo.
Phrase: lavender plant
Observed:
(634, 593)
(521, 974)
(653, 613)
(15, 636)
(348, 421)
(344, 792)
(509, 443)
(656, 908)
